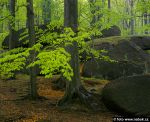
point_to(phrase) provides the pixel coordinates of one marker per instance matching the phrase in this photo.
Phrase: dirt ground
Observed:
(14, 109)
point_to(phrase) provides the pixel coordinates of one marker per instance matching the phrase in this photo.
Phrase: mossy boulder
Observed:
(142, 41)
(128, 96)
(131, 59)
(111, 70)
(126, 50)
(112, 31)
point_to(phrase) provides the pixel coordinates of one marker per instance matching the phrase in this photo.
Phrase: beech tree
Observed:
(31, 31)
(74, 88)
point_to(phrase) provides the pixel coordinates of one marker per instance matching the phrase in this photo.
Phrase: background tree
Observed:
(12, 4)
(46, 11)
(31, 31)
(132, 16)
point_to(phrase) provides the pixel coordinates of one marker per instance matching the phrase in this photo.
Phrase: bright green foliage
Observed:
(15, 60)
(119, 14)
(52, 57)
(11, 61)
(54, 61)
(2, 36)
(50, 61)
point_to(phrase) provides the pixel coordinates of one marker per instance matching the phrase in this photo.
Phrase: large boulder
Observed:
(141, 41)
(111, 70)
(131, 60)
(107, 32)
(112, 31)
(126, 50)
(128, 96)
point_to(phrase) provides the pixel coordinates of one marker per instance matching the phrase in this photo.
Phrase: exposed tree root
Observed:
(89, 100)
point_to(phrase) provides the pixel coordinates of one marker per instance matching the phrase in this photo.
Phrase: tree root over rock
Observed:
(81, 96)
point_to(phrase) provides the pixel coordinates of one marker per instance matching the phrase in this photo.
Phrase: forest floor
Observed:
(15, 109)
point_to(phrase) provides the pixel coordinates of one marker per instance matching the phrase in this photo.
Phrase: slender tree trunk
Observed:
(149, 21)
(142, 22)
(109, 7)
(132, 19)
(31, 31)
(46, 7)
(12, 24)
(109, 4)
(128, 12)
(145, 21)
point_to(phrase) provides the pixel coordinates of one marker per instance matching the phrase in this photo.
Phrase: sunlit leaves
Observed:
(12, 61)
(54, 61)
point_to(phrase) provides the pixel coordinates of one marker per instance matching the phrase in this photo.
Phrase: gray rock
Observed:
(111, 70)
(141, 41)
(112, 31)
(131, 60)
(128, 96)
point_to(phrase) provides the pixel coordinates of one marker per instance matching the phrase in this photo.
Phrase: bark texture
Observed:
(12, 24)
(74, 89)
(31, 31)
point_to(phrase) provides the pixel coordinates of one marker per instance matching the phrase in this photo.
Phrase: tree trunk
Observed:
(74, 88)
(132, 19)
(109, 7)
(109, 4)
(46, 7)
(12, 24)
(31, 31)
(145, 21)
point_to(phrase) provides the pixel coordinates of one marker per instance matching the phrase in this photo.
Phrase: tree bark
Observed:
(132, 19)
(46, 9)
(12, 24)
(109, 4)
(74, 88)
(109, 7)
(71, 20)
(145, 21)
(31, 31)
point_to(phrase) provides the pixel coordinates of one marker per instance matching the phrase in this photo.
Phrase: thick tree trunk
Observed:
(31, 31)
(12, 24)
(71, 20)
(74, 88)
